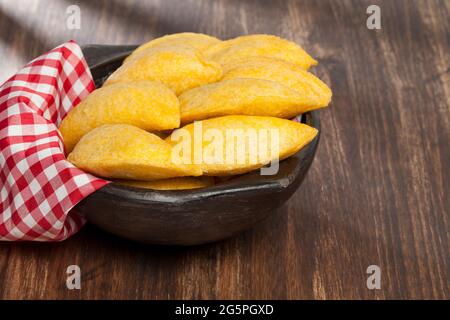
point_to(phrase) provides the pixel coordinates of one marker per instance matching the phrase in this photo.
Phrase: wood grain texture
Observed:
(377, 192)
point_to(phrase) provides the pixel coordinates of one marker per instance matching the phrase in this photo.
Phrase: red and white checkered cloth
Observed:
(38, 186)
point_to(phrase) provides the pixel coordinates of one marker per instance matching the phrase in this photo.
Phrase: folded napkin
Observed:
(38, 186)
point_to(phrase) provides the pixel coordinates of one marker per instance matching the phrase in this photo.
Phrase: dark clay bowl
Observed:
(189, 217)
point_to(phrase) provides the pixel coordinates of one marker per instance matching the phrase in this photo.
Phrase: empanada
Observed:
(145, 104)
(244, 96)
(126, 152)
(198, 41)
(238, 144)
(282, 72)
(180, 67)
(259, 45)
(182, 183)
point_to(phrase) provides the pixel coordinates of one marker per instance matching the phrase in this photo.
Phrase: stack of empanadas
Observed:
(230, 97)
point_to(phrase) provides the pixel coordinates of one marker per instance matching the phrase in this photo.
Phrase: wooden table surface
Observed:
(376, 194)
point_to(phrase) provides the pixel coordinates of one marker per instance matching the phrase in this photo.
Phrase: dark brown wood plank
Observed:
(375, 194)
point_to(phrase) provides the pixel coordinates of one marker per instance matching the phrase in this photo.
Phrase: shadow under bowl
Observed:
(189, 217)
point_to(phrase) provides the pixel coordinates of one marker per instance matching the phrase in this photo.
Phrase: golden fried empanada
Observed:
(180, 67)
(198, 41)
(145, 104)
(126, 152)
(233, 145)
(259, 45)
(244, 96)
(282, 72)
(182, 183)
